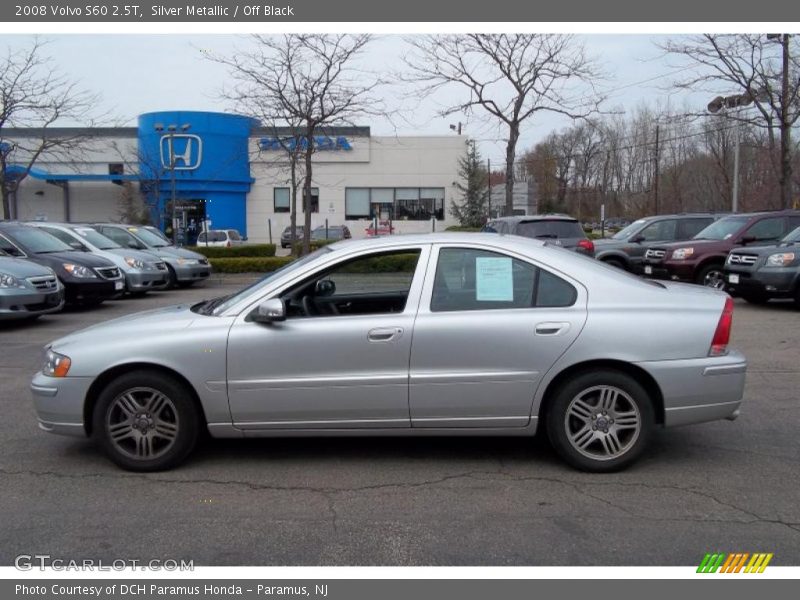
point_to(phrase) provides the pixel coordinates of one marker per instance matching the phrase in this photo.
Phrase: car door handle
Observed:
(384, 334)
(551, 328)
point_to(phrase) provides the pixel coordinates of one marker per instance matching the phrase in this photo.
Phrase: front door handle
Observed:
(384, 334)
(552, 328)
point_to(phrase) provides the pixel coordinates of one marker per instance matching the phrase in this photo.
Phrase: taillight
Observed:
(719, 345)
(587, 245)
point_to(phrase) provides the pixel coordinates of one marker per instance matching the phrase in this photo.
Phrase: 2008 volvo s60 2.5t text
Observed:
(441, 334)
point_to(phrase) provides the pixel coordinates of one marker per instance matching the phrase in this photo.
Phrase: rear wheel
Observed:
(711, 276)
(600, 421)
(146, 421)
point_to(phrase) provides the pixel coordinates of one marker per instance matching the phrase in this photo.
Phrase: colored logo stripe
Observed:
(734, 562)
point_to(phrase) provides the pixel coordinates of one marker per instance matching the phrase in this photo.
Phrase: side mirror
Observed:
(133, 245)
(324, 287)
(748, 239)
(269, 311)
(78, 246)
(638, 239)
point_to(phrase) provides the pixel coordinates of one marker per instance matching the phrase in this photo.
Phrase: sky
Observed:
(138, 73)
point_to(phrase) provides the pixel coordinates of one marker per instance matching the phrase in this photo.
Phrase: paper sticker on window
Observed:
(494, 280)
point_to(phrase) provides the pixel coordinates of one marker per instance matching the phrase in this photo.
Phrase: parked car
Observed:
(509, 335)
(286, 236)
(184, 267)
(701, 260)
(330, 233)
(626, 248)
(142, 271)
(559, 230)
(220, 237)
(87, 279)
(27, 290)
(760, 273)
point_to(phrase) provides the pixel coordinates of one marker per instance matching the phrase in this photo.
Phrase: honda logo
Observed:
(181, 151)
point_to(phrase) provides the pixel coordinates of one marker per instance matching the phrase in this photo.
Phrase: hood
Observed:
(767, 250)
(176, 252)
(22, 269)
(692, 243)
(124, 253)
(168, 318)
(85, 259)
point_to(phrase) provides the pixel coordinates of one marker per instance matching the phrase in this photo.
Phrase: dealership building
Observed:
(231, 171)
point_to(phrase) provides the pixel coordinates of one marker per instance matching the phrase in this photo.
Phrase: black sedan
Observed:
(87, 279)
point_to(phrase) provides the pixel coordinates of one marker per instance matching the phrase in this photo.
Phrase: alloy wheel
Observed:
(142, 423)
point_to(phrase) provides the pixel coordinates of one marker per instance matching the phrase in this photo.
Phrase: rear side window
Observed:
(550, 229)
(234, 235)
(688, 228)
(659, 231)
(470, 279)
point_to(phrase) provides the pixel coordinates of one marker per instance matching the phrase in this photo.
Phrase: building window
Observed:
(314, 199)
(410, 204)
(282, 199)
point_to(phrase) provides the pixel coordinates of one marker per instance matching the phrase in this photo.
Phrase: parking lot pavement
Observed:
(726, 486)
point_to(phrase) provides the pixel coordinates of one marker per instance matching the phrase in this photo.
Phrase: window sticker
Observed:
(494, 279)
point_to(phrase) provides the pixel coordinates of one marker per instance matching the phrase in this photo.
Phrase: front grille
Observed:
(655, 253)
(108, 272)
(742, 259)
(46, 283)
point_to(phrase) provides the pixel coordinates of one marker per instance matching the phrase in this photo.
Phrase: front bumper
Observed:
(775, 282)
(59, 403)
(671, 270)
(191, 272)
(23, 303)
(697, 390)
(92, 290)
(141, 281)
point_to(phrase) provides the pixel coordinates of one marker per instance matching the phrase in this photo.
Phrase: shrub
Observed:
(397, 263)
(313, 244)
(462, 228)
(249, 264)
(249, 250)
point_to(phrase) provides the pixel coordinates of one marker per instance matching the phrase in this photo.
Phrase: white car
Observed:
(220, 237)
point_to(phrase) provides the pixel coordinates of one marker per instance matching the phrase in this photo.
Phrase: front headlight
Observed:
(783, 259)
(55, 364)
(187, 261)
(134, 263)
(9, 281)
(79, 271)
(682, 253)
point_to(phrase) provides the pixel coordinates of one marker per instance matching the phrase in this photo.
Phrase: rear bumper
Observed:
(700, 389)
(25, 303)
(59, 401)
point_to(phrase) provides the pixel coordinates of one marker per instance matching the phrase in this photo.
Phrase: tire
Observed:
(153, 419)
(797, 298)
(591, 440)
(186, 284)
(172, 278)
(613, 262)
(711, 276)
(759, 299)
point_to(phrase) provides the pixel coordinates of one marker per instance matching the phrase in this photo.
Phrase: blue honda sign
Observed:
(321, 142)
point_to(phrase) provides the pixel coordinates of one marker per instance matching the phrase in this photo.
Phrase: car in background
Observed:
(761, 273)
(27, 290)
(702, 259)
(286, 236)
(330, 233)
(555, 229)
(184, 267)
(87, 279)
(224, 238)
(510, 336)
(142, 271)
(626, 248)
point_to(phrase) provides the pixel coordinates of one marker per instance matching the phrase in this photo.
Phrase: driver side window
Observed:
(373, 284)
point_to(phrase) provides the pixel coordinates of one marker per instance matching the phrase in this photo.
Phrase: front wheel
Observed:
(711, 276)
(600, 421)
(146, 421)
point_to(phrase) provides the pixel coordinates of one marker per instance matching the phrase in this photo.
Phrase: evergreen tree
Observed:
(472, 209)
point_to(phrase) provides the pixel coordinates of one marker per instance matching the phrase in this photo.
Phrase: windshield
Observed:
(38, 241)
(624, 234)
(148, 237)
(158, 232)
(96, 239)
(792, 236)
(220, 305)
(722, 229)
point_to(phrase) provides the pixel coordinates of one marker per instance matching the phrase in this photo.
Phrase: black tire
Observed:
(172, 278)
(562, 430)
(797, 298)
(186, 284)
(615, 262)
(755, 298)
(711, 276)
(178, 412)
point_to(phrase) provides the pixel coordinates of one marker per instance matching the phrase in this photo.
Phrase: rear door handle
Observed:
(384, 334)
(552, 328)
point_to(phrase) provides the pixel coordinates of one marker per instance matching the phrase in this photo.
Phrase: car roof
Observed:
(542, 217)
(448, 237)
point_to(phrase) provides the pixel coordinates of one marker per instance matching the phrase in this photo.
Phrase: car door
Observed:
(340, 359)
(489, 327)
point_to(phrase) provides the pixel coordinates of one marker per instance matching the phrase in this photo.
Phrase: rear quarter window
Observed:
(550, 229)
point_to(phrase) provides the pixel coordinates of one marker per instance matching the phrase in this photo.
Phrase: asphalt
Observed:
(726, 486)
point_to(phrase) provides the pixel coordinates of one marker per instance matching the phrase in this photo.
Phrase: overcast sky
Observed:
(143, 73)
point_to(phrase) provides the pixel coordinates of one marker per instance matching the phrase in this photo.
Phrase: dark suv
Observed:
(761, 273)
(626, 248)
(701, 260)
(559, 230)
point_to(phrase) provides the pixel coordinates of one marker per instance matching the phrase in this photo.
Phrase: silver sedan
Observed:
(444, 334)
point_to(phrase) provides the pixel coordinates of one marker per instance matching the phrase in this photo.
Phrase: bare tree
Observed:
(35, 96)
(510, 76)
(308, 82)
(762, 71)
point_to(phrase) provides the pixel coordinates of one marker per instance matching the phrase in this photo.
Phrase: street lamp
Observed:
(172, 128)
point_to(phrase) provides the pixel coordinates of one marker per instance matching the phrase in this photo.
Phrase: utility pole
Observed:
(489, 184)
(786, 130)
(735, 200)
(655, 182)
